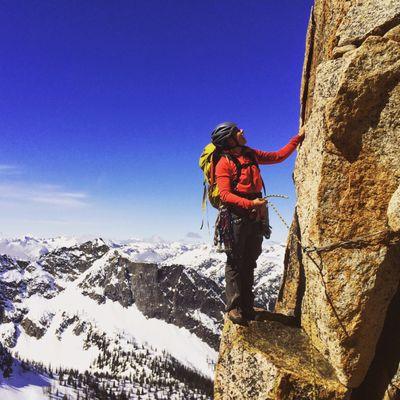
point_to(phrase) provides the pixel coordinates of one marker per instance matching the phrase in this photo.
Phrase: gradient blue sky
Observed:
(106, 106)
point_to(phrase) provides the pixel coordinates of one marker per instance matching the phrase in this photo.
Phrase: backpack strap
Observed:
(250, 153)
(238, 166)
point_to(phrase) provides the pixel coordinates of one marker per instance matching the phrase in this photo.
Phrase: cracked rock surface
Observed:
(344, 292)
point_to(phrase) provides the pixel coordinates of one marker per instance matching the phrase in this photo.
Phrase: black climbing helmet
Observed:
(222, 133)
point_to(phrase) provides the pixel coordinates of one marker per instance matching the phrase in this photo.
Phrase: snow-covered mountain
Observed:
(31, 248)
(139, 311)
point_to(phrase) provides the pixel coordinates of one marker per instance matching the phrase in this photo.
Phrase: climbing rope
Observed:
(319, 268)
(382, 237)
(277, 212)
(282, 196)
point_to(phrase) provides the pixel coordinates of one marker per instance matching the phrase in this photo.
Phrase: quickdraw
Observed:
(223, 236)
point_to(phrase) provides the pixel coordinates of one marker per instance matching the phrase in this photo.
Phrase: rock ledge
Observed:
(271, 361)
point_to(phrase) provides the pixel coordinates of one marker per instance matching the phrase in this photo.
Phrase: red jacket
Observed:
(250, 179)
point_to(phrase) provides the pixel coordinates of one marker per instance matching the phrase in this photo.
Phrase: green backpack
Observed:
(207, 162)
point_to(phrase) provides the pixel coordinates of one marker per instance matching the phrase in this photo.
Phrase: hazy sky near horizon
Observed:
(106, 106)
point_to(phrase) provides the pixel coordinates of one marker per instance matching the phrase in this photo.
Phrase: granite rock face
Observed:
(342, 264)
(366, 18)
(353, 139)
(347, 197)
(292, 288)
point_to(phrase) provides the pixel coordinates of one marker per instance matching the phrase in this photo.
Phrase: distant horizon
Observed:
(107, 107)
(151, 239)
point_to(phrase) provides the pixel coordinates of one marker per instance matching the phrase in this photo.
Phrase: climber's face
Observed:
(241, 140)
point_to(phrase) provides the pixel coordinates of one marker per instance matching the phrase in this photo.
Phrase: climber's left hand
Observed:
(302, 131)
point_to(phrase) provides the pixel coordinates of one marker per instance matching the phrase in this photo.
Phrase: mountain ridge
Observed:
(164, 296)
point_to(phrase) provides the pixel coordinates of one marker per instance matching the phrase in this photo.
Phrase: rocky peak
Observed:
(69, 262)
(172, 293)
(9, 264)
(342, 265)
(12, 282)
(180, 296)
(109, 278)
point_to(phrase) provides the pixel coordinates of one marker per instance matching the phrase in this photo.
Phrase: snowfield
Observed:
(66, 325)
(113, 320)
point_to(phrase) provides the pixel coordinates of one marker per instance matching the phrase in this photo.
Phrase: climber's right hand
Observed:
(259, 202)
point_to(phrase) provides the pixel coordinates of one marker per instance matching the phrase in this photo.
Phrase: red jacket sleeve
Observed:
(273, 157)
(224, 176)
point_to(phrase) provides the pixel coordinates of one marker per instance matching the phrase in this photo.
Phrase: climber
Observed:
(242, 197)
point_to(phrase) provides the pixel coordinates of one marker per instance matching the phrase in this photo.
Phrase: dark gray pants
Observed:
(241, 262)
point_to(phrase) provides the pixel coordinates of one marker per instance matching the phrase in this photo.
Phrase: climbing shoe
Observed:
(237, 317)
(256, 314)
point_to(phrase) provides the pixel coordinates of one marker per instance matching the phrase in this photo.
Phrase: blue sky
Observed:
(106, 107)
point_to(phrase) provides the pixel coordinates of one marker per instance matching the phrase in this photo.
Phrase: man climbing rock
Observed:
(240, 187)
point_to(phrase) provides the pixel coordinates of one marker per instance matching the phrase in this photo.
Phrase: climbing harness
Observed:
(223, 234)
